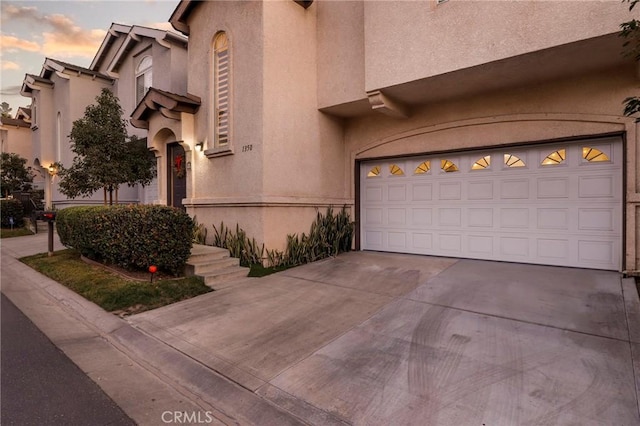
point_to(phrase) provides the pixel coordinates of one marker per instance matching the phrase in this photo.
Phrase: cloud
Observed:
(11, 44)
(8, 65)
(64, 38)
(10, 90)
(161, 26)
(10, 11)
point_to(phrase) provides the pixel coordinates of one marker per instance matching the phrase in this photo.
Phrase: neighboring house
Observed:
(139, 58)
(62, 91)
(59, 96)
(489, 130)
(16, 137)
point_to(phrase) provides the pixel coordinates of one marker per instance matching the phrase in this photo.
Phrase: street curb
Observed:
(632, 308)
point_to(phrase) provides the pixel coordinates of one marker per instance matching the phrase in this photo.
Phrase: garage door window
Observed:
(511, 160)
(395, 170)
(556, 157)
(375, 171)
(448, 166)
(594, 154)
(422, 168)
(482, 163)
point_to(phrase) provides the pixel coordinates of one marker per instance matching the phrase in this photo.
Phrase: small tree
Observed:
(5, 111)
(14, 174)
(105, 156)
(631, 32)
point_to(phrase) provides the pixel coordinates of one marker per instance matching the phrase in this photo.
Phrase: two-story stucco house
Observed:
(15, 136)
(124, 64)
(490, 130)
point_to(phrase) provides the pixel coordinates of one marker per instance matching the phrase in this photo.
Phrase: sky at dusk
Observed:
(70, 31)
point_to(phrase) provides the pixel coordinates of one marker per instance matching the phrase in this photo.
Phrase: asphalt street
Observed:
(41, 386)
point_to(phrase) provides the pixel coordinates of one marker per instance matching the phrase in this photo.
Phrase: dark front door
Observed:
(177, 175)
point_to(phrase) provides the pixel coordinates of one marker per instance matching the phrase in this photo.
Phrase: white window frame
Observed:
(144, 75)
(220, 89)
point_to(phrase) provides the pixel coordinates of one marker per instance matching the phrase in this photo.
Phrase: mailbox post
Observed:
(50, 218)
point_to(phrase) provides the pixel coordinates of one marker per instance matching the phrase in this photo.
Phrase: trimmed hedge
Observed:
(11, 208)
(132, 236)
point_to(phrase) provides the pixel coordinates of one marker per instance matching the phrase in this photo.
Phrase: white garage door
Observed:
(555, 204)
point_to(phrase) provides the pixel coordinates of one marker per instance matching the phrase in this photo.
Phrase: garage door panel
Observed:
(373, 216)
(373, 194)
(422, 192)
(423, 242)
(450, 217)
(517, 189)
(553, 218)
(450, 191)
(480, 217)
(553, 187)
(553, 249)
(450, 244)
(480, 190)
(397, 240)
(517, 247)
(596, 186)
(599, 252)
(373, 240)
(480, 245)
(517, 218)
(397, 192)
(397, 216)
(511, 206)
(421, 217)
(596, 219)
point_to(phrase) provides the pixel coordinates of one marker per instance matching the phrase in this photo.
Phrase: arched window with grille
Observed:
(143, 77)
(221, 89)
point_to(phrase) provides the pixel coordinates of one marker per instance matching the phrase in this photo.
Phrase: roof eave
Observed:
(180, 15)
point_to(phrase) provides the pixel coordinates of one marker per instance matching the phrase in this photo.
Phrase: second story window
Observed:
(221, 87)
(143, 78)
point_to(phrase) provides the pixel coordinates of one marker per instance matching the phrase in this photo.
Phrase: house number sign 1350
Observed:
(246, 148)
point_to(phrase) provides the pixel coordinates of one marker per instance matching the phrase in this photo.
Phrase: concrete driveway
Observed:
(388, 339)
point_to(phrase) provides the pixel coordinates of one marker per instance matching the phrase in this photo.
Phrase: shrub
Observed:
(11, 208)
(328, 236)
(133, 236)
(239, 245)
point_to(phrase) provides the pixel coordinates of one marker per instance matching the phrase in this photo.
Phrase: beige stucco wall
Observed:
(408, 40)
(340, 49)
(565, 108)
(217, 186)
(17, 140)
(238, 174)
(286, 157)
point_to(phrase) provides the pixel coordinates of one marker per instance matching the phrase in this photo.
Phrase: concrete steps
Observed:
(214, 265)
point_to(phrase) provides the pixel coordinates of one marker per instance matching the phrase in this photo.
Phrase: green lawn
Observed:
(111, 291)
(15, 232)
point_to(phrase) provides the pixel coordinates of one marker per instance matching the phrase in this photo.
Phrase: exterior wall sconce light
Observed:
(200, 146)
(53, 169)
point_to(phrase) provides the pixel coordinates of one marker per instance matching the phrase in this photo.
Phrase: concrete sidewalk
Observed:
(365, 338)
(152, 382)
